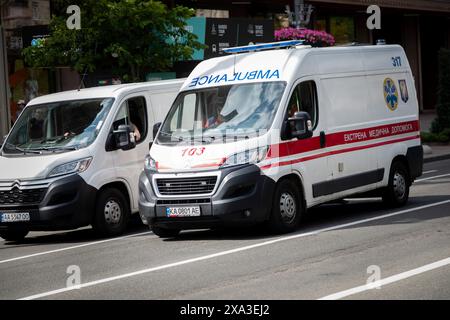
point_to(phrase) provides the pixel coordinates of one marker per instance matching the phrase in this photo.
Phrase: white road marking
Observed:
(430, 171)
(388, 280)
(434, 177)
(228, 252)
(73, 247)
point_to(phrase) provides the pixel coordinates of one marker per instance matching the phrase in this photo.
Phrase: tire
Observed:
(165, 233)
(14, 234)
(397, 191)
(112, 213)
(287, 209)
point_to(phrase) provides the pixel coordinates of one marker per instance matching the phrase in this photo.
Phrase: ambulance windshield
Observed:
(225, 112)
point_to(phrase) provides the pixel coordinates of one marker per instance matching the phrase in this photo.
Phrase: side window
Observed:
(133, 112)
(304, 98)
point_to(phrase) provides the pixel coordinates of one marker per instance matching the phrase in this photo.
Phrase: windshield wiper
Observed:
(65, 148)
(24, 151)
(203, 139)
(180, 139)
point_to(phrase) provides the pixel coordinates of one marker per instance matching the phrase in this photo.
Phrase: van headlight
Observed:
(71, 167)
(252, 156)
(150, 163)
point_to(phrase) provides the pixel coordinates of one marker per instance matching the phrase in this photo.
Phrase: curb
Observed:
(436, 158)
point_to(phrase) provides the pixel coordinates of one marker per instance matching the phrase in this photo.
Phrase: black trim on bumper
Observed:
(241, 189)
(68, 203)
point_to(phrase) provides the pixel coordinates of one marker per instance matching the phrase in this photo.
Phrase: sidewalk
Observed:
(432, 152)
(438, 152)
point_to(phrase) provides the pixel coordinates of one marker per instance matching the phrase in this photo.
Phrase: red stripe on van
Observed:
(325, 154)
(341, 138)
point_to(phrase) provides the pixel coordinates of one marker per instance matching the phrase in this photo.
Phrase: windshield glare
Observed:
(59, 126)
(234, 111)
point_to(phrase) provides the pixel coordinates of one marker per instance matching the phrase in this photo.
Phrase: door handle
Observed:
(323, 140)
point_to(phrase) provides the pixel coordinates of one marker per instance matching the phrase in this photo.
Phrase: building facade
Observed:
(422, 27)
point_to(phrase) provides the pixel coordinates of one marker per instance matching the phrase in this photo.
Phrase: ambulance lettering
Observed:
(357, 136)
(238, 76)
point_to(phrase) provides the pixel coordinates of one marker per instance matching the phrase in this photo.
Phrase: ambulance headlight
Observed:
(150, 163)
(71, 167)
(252, 156)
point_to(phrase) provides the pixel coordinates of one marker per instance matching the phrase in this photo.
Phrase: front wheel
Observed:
(397, 191)
(14, 234)
(287, 208)
(112, 213)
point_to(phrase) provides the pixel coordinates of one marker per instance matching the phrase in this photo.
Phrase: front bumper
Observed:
(243, 195)
(66, 203)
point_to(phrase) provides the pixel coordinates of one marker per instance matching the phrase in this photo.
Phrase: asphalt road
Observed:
(338, 249)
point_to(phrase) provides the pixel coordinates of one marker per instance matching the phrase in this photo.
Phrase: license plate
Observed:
(15, 217)
(183, 212)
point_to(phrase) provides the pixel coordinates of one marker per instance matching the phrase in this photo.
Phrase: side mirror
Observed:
(124, 138)
(156, 127)
(300, 125)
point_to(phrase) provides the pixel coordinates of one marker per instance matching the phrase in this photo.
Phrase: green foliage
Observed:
(442, 121)
(131, 35)
(442, 137)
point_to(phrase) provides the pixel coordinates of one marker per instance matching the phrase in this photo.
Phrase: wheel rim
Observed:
(113, 212)
(399, 185)
(288, 209)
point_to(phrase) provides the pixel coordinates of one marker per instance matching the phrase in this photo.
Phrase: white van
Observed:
(74, 158)
(262, 135)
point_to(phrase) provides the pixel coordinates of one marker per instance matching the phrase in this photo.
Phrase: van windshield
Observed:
(58, 127)
(222, 113)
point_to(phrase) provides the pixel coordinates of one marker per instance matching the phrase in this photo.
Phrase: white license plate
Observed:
(15, 217)
(183, 212)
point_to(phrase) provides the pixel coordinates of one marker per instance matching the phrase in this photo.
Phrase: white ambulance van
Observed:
(73, 158)
(262, 135)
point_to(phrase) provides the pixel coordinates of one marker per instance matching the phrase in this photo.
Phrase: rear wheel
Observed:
(287, 208)
(165, 233)
(397, 191)
(14, 234)
(112, 213)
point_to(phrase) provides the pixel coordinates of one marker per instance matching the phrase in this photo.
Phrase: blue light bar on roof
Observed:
(264, 46)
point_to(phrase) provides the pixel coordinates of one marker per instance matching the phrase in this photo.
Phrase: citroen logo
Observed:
(16, 184)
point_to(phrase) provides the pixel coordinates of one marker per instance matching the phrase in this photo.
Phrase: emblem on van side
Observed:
(390, 94)
(403, 90)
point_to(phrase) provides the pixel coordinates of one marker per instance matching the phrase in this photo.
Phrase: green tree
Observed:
(132, 36)
(442, 121)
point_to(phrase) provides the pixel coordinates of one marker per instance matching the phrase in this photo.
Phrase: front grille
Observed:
(184, 201)
(186, 186)
(17, 196)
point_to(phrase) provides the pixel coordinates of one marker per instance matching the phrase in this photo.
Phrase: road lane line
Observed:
(73, 247)
(228, 252)
(430, 171)
(434, 177)
(388, 280)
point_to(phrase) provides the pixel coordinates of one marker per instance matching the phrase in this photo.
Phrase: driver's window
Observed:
(133, 113)
(304, 98)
